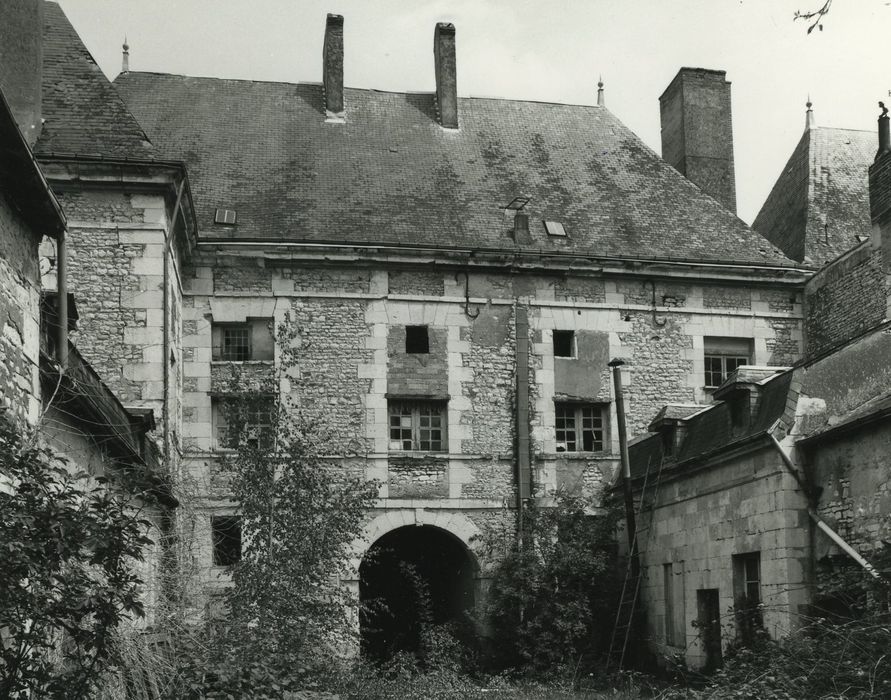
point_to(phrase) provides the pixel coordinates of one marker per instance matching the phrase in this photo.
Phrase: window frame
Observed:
(261, 406)
(574, 410)
(226, 352)
(726, 351)
(416, 411)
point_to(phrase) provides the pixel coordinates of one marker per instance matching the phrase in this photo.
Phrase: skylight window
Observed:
(555, 228)
(224, 216)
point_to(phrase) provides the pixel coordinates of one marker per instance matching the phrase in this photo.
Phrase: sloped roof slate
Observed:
(820, 202)
(712, 430)
(83, 113)
(390, 175)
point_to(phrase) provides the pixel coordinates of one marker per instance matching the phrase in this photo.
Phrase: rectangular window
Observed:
(668, 592)
(240, 342)
(564, 343)
(226, 534)
(417, 340)
(747, 577)
(418, 426)
(580, 427)
(249, 419)
(723, 356)
(747, 594)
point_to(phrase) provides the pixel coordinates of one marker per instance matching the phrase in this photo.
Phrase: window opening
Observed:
(554, 228)
(250, 419)
(564, 343)
(418, 426)
(417, 340)
(236, 343)
(668, 592)
(723, 356)
(579, 427)
(226, 532)
(224, 216)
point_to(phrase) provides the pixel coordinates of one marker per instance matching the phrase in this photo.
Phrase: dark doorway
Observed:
(709, 618)
(412, 577)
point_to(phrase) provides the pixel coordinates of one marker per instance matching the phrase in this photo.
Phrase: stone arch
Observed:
(456, 524)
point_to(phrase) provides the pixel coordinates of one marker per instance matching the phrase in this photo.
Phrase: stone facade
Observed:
(19, 316)
(349, 347)
(746, 504)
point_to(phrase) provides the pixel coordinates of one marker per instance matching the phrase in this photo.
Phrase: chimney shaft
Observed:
(332, 66)
(446, 75)
(697, 134)
(21, 62)
(880, 175)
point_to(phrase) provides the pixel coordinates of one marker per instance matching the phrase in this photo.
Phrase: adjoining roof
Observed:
(22, 181)
(390, 175)
(83, 113)
(712, 429)
(820, 202)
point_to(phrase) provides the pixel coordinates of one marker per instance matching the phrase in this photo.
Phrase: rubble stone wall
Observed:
(19, 316)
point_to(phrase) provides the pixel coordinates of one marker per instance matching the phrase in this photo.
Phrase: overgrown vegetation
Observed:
(286, 616)
(553, 600)
(67, 579)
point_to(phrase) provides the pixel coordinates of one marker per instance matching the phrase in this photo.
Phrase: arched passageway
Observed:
(412, 576)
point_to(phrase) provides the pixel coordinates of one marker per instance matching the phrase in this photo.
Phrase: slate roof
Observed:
(711, 430)
(392, 175)
(820, 202)
(83, 113)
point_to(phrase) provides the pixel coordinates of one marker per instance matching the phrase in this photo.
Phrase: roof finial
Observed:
(809, 121)
(600, 100)
(125, 63)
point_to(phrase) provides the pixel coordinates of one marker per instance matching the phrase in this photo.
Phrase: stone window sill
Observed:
(243, 362)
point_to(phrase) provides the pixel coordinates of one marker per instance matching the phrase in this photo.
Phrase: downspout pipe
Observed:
(820, 523)
(524, 463)
(62, 299)
(616, 367)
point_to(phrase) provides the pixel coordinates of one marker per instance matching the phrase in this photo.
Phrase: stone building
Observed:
(54, 393)
(750, 499)
(458, 272)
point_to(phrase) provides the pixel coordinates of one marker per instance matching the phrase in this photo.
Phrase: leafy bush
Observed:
(69, 543)
(552, 602)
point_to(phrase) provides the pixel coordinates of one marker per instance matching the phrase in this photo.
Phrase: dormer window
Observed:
(723, 356)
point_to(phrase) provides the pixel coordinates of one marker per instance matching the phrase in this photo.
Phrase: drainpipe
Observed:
(822, 524)
(62, 299)
(523, 459)
(616, 367)
(165, 300)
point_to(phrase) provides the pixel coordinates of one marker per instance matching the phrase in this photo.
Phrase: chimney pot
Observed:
(697, 133)
(446, 74)
(332, 67)
(884, 132)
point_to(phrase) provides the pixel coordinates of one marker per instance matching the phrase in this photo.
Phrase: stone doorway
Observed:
(412, 576)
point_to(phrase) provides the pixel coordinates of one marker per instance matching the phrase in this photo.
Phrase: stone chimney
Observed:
(332, 67)
(446, 76)
(880, 199)
(21, 62)
(697, 135)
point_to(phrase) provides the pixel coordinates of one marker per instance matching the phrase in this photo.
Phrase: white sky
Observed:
(550, 50)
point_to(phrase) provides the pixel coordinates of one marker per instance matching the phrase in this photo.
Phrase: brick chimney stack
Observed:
(21, 62)
(332, 67)
(697, 135)
(446, 75)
